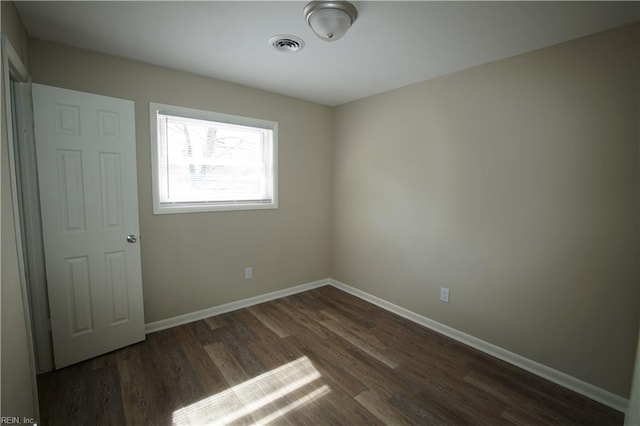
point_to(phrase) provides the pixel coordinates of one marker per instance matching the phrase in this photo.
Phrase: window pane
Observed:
(202, 161)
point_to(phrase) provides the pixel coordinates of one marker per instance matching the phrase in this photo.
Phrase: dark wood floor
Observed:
(320, 357)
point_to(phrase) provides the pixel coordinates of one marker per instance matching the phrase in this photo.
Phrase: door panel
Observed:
(88, 193)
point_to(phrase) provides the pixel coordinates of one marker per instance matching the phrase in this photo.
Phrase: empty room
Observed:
(320, 212)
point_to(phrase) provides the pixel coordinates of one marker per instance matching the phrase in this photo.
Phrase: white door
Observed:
(85, 148)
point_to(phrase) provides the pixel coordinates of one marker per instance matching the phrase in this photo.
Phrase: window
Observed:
(206, 161)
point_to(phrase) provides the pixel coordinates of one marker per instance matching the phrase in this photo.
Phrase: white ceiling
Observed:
(392, 44)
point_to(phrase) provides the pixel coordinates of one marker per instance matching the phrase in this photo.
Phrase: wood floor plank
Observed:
(518, 416)
(106, 396)
(176, 375)
(375, 376)
(269, 321)
(218, 321)
(92, 396)
(532, 394)
(318, 357)
(452, 398)
(416, 412)
(349, 307)
(330, 360)
(227, 364)
(348, 408)
(273, 355)
(205, 334)
(404, 343)
(242, 353)
(260, 396)
(210, 377)
(143, 397)
(369, 347)
(308, 306)
(479, 381)
(353, 303)
(257, 327)
(238, 330)
(381, 408)
(301, 319)
(296, 407)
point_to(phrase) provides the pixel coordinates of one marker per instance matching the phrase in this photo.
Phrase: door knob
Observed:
(131, 239)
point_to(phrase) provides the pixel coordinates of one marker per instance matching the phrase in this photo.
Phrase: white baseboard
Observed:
(232, 306)
(590, 391)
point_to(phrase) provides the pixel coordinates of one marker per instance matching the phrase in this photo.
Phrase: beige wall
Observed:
(12, 27)
(196, 261)
(514, 184)
(16, 371)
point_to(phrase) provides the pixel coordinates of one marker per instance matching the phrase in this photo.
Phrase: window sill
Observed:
(174, 209)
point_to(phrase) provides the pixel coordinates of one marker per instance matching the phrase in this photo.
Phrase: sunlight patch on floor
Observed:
(251, 395)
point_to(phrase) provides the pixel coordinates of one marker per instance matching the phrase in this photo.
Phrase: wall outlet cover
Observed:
(444, 294)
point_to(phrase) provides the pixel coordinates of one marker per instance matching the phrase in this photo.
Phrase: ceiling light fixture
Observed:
(330, 20)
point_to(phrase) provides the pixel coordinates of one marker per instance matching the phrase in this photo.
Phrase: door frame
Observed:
(14, 69)
(31, 225)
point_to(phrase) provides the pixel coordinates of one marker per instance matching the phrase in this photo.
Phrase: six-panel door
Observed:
(88, 193)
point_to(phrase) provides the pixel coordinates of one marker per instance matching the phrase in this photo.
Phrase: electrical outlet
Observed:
(248, 272)
(444, 294)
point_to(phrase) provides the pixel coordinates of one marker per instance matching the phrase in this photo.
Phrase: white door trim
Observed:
(12, 66)
(31, 226)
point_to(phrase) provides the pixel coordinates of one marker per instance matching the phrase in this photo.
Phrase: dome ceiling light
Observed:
(330, 20)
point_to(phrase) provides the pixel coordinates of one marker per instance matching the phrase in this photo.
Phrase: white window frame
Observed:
(164, 208)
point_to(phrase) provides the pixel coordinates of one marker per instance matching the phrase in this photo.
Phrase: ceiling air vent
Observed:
(286, 43)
